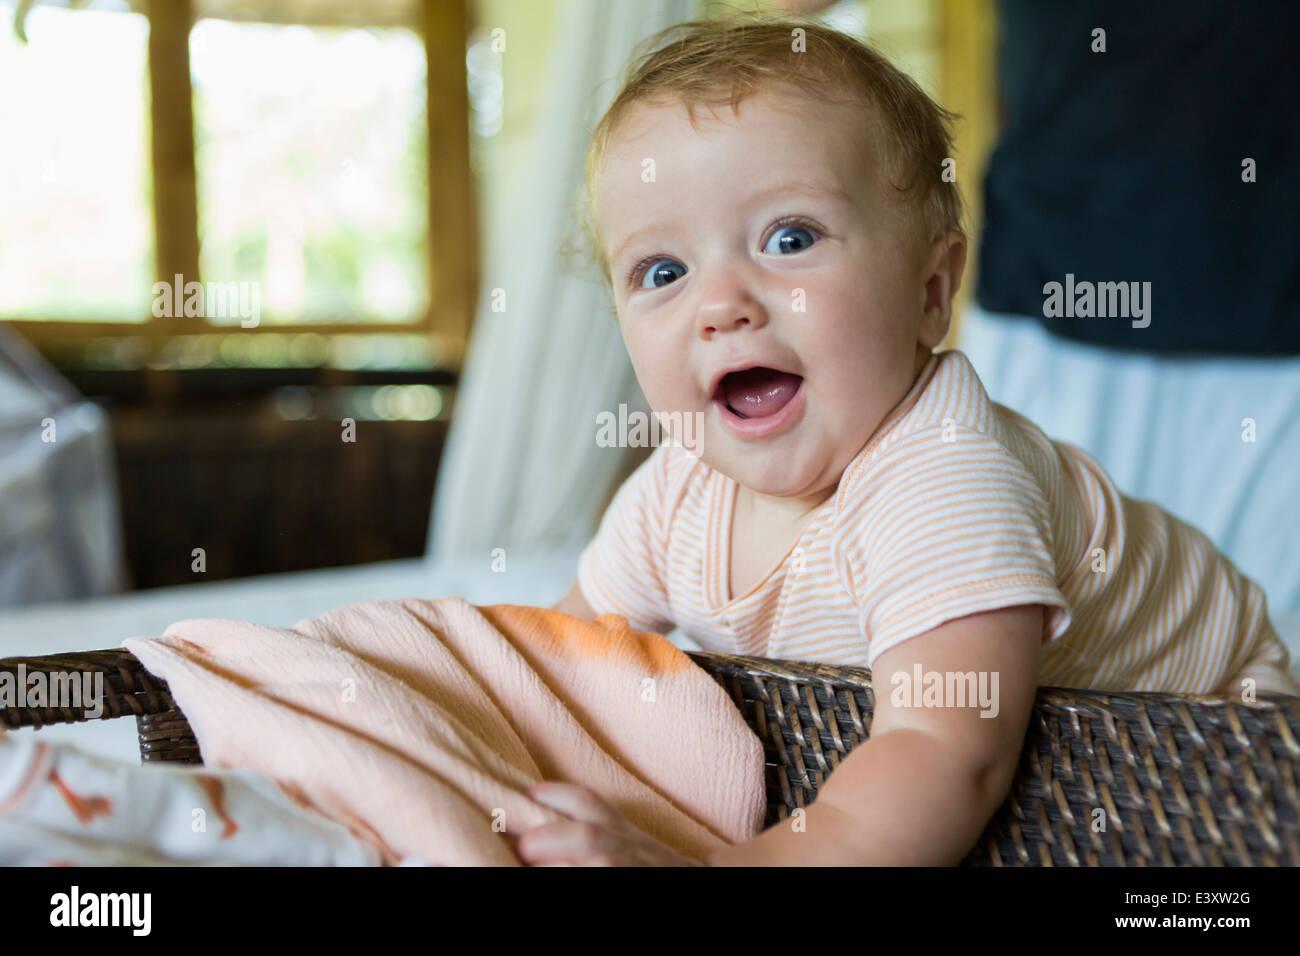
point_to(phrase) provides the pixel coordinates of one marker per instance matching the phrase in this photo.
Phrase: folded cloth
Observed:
(61, 806)
(420, 724)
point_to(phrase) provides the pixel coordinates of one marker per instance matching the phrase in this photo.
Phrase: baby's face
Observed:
(743, 263)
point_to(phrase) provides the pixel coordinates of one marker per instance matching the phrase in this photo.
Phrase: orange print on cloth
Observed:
(215, 790)
(84, 808)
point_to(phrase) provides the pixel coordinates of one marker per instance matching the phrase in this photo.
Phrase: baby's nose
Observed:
(729, 308)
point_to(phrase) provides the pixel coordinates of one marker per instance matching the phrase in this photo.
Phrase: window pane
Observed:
(76, 221)
(312, 168)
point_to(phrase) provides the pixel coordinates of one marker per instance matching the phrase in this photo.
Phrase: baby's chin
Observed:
(776, 475)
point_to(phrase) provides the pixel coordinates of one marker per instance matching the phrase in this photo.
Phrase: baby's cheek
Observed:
(668, 387)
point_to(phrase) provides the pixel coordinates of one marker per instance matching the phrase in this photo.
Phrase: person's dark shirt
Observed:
(1126, 166)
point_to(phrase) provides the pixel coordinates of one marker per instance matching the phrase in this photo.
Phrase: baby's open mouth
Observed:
(757, 392)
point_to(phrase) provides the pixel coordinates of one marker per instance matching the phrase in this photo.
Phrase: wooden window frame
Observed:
(453, 261)
(968, 85)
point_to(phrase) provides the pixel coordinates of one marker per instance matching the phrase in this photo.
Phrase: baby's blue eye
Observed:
(791, 239)
(661, 269)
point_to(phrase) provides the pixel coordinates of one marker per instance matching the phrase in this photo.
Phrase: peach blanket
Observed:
(419, 724)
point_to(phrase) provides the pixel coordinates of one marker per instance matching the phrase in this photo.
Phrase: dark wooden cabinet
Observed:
(262, 494)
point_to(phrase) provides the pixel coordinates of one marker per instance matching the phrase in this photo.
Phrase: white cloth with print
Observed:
(62, 806)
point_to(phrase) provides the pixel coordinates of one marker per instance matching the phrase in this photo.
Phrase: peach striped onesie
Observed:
(956, 505)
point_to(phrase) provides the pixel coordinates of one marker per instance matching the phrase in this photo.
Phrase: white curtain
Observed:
(521, 469)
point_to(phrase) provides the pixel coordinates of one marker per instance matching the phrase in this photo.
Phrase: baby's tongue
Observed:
(759, 392)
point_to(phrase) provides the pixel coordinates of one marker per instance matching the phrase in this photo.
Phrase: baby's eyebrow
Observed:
(820, 188)
(814, 187)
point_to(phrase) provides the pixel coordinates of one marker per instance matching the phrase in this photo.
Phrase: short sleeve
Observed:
(945, 523)
(622, 569)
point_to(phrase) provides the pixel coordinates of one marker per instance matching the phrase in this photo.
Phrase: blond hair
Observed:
(725, 60)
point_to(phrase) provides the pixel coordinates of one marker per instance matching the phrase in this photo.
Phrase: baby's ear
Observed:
(941, 274)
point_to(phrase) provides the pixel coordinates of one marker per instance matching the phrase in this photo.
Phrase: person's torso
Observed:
(1158, 168)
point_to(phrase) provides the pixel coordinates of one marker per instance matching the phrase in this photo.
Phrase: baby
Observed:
(774, 210)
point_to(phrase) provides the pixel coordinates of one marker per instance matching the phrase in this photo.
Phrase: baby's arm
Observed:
(922, 788)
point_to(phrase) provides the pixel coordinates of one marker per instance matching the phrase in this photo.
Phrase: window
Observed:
(283, 158)
(310, 147)
(76, 231)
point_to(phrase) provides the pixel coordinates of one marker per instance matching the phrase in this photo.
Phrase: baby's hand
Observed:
(595, 835)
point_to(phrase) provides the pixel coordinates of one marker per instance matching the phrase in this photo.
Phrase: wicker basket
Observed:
(1181, 779)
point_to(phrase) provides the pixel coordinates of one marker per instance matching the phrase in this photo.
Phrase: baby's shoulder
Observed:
(932, 462)
(941, 465)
